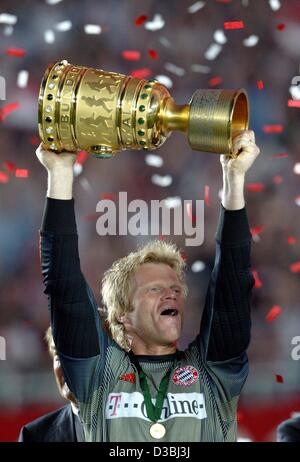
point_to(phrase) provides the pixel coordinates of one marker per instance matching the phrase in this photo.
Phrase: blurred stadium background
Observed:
(184, 44)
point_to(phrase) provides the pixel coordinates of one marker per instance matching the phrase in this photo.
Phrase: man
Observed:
(62, 425)
(135, 385)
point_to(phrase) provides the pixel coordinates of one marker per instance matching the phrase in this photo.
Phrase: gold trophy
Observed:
(106, 112)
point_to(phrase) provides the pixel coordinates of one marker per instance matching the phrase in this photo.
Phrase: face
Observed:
(157, 299)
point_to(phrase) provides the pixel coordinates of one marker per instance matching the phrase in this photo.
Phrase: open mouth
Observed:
(169, 312)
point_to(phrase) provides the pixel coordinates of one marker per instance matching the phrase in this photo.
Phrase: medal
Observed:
(157, 431)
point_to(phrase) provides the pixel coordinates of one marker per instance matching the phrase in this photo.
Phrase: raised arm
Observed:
(75, 321)
(226, 322)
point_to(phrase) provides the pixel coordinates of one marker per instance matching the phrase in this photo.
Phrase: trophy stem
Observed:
(174, 117)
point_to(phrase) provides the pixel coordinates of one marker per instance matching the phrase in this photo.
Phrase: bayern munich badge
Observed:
(185, 376)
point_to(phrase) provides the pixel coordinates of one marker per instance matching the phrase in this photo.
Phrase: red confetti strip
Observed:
(140, 20)
(280, 156)
(280, 26)
(108, 196)
(293, 103)
(255, 187)
(291, 240)
(10, 166)
(18, 52)
(183, 255)
(34, 140)
(3, 177)
(295, 267)
(131, 55)
(190, 214)
(21, 173)
(7, 109)
(206, 195)
(153, 54)
(234, 25)
(258, 283)
(141, 73)
(91, 217)
(273, 313)
(81, 157)
(214, 81)
(273, 128)
(260, 85)
(257, 230)
(279, 378)
(277, 179)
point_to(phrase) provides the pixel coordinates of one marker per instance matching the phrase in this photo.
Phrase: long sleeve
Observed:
(226, 322)
(75, 320)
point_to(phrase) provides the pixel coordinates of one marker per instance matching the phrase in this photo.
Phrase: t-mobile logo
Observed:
(175, 405)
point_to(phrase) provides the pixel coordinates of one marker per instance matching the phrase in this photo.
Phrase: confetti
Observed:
(160, 180)
(280, 156)
(8, 30)
(183, 255)
(140, 20)
(172, 202)
(213, 51)
(22, 79)
(273, 128)
(206, 195)
(18, 52)
(295, 91)
(214, 81)
(275, 5)
(108, 196)
(198, 266)
(291, 240)
(257, 281)
(64, 26)
(9, 19)
(255, 187)
(174, 69)
(81, 157)
(49, 36)
(234, 25)
(10, 166)
(153, 160)
(21, 173)
(274, 312)
(164, 80)
(189, 211)
(251, 41)
(196, 7)
(92, 29)
(200, 68)
(257, 230)
(34, 140)
(77, 169)
(279, 378)
(220, 37)
(277, 179)
(260, 85)
(295, 267)
(165, 42)
(53, 2)
(8, 109)
(293, 103)
(141, 73)
(131, 55)
(297, 168)
(280, 27)
(153, 54)
(157, 23)
(297, 200)
(3, 177)
(85, 184)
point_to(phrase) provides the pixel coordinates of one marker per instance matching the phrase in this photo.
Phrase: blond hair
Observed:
(116, 282)
(50, 342)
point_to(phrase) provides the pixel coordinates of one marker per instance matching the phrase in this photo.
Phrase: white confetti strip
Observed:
(64, 26)
(174, 69)
(85, 184)
(8, 30)
(213, 51)
(53, 2)
(220, 37)
(172, 202)
(256, 238)
(162, 180)
(295, 91)
(196, 7)
(297, 201)
(22, 79)
(198, 266)
(164, 80)
(157, 23)
(200, 68)
(92, 29)
(153, 160)
(49, 36)
(77, 169)
(275, 5)
(251, 41)
(165, 42)
(9, 19)
(297, 168)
